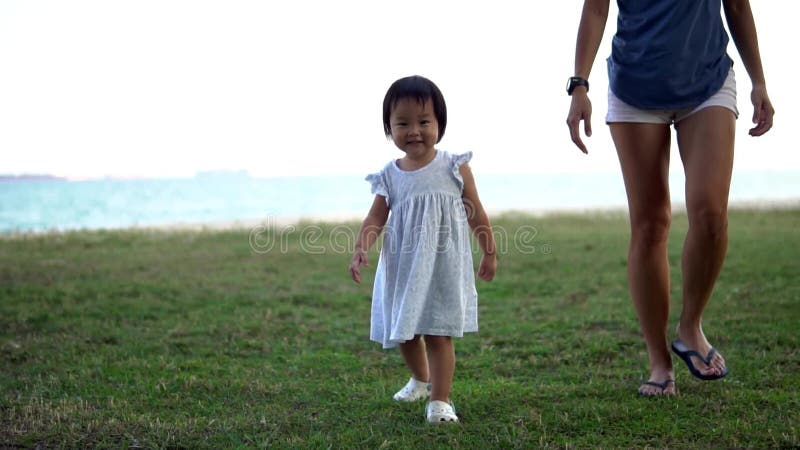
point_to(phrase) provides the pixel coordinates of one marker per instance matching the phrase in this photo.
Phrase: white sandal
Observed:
(412, 391)
(439, 412)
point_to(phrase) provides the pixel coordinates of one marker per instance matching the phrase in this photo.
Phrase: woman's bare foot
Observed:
(694, 339)
(661, 382)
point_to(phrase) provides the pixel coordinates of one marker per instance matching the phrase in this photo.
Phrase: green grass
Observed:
(178, 339)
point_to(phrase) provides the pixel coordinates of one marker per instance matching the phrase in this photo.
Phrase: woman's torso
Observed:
(668, 54)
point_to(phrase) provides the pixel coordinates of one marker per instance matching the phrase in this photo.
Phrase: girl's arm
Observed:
(743, 30)
(590, 33)
(370, 230)
(479, 223)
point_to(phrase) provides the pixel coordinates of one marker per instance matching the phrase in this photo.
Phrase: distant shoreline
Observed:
(290, 221)
(30, 177)
(243, 174)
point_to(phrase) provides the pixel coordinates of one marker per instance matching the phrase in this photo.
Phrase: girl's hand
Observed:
(580, 109)
(359, 259)
(762, 110)
(488, 267)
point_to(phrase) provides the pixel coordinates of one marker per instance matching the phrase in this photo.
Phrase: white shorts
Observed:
(619, 111)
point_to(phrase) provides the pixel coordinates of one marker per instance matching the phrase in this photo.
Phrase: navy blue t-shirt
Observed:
(668, 54)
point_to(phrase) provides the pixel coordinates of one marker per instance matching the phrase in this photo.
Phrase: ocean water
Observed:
(27, 206)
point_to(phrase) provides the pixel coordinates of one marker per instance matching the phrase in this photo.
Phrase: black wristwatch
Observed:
(574, 82)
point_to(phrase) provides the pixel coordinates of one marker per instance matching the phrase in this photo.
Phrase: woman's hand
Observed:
(580, 109)
(359, 259)
(762, 110)
(488, 267)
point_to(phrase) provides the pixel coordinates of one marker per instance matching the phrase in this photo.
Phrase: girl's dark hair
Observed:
(421, 89)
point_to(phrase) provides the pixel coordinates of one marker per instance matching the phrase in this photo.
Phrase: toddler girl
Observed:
(424, 292)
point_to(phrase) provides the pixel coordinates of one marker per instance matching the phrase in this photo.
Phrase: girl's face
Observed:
(415, 129)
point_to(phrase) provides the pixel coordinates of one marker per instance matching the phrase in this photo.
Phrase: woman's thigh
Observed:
(705, 141)
(643, 151)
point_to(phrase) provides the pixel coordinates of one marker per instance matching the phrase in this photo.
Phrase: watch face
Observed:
(571, 84)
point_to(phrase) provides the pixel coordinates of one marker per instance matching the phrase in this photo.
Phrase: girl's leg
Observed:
(442, 361)
(416, 359)
(706, 142)
(643, 151)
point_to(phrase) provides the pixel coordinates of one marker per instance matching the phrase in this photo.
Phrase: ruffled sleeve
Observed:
(378, 185)
(455, 163)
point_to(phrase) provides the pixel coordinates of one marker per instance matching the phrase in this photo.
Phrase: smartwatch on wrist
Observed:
(574, 82)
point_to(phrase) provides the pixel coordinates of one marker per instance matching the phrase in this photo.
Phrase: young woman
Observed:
(669, 66)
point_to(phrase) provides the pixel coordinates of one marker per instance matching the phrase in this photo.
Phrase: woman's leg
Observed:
(643, 151)
(706, 142)
(416, 359)
(442, 362)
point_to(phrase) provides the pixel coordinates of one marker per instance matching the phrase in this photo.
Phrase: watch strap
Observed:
(574, 82)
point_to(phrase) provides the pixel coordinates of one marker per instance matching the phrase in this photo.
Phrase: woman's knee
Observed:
(710, 221)
(652, 228)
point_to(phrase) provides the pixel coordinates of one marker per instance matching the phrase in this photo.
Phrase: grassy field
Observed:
(178, 339)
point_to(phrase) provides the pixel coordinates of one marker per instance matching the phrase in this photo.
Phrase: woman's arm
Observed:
(479, 224)
(743, 30)
(590, 33)
(370, 230)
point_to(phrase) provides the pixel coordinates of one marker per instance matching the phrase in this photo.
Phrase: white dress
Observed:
(424, 282)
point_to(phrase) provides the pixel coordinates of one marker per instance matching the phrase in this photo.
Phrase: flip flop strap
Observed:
(663, 385)
(710, 355)
(707, 358)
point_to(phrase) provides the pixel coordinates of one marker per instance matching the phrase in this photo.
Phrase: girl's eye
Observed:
(425, 122)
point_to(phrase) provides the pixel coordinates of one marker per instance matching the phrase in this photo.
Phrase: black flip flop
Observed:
(663, 385)
(685, 353)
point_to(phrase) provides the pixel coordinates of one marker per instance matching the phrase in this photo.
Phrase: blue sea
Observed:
(35, 206)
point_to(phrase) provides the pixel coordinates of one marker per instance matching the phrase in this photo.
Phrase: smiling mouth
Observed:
(414, 142)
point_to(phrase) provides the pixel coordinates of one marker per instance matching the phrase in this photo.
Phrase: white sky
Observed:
(171, 87)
